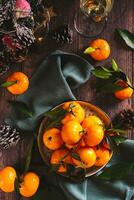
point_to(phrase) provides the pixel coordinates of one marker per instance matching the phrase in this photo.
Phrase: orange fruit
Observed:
(71, 132)
(87, 157)
(124, 93)
(7, 179)
(29, 184)
(57, 158)
(76, 112)
(21, 85)
(91, 120)
(102, 156)
(94, 135)
(52, 139)
(101, 49)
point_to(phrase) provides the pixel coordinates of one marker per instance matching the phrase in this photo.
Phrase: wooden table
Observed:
(125, 57)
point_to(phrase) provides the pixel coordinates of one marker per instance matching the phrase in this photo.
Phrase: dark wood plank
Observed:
(125, 58)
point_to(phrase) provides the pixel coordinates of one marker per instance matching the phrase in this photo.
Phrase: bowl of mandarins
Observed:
(72, 139)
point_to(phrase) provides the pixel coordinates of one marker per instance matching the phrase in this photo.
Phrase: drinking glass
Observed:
(91, 18)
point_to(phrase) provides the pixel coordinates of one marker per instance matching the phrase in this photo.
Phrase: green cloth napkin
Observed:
(52, 84)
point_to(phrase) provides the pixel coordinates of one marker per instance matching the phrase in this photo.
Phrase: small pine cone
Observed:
(25, 35)
(5, 12)
(125, 119)
(62, 34)
(8, 136)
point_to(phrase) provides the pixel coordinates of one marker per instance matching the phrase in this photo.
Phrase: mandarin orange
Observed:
(125, 93)
(71, 132)
(101, 49)
(21, 83)
(29, 184)
(76, 112)
(52, 139)
(102, 156)
(91, 120)
(94, 135)
(7, 179)
(87, 157)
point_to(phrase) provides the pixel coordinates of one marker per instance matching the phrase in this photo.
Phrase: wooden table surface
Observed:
(122, 16)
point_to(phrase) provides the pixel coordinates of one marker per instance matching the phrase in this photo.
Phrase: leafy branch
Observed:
(113, 79)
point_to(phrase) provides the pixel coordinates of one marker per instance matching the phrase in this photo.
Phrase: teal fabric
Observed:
(52, 84)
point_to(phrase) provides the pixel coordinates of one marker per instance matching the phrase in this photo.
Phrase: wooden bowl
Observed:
(46, 154)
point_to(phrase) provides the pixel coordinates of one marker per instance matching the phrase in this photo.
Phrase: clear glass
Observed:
(91, 19)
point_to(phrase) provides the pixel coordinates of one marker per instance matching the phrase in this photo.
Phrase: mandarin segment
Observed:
(94, 135)
(71, 132)
(7, 179)
(21, 85)
(102, 156)
(87, 157)
(52, 139)
(29, 184)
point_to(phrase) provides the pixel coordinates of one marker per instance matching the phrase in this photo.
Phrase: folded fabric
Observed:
(52, 84)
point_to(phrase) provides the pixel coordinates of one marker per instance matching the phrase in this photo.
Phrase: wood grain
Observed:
(124, 56)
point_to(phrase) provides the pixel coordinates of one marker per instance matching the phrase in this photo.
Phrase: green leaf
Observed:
(100, 73)
(117, 130)
(113, 145)
(114, 65)
(53, 114)
(29, 157)
(22, 107)
(109, 87)
(76, 156)
(116, 172)
(89, 50)
(127, 37)
(106, 69)
(7, 84)
(55, 117)
(119, 139)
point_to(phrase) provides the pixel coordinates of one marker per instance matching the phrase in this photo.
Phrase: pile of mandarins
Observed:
(80, 134)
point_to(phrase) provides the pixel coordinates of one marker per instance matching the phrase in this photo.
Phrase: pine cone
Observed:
(5, 12)
(8, 136)
(62, 34)
(125, 119)
(25, 35)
